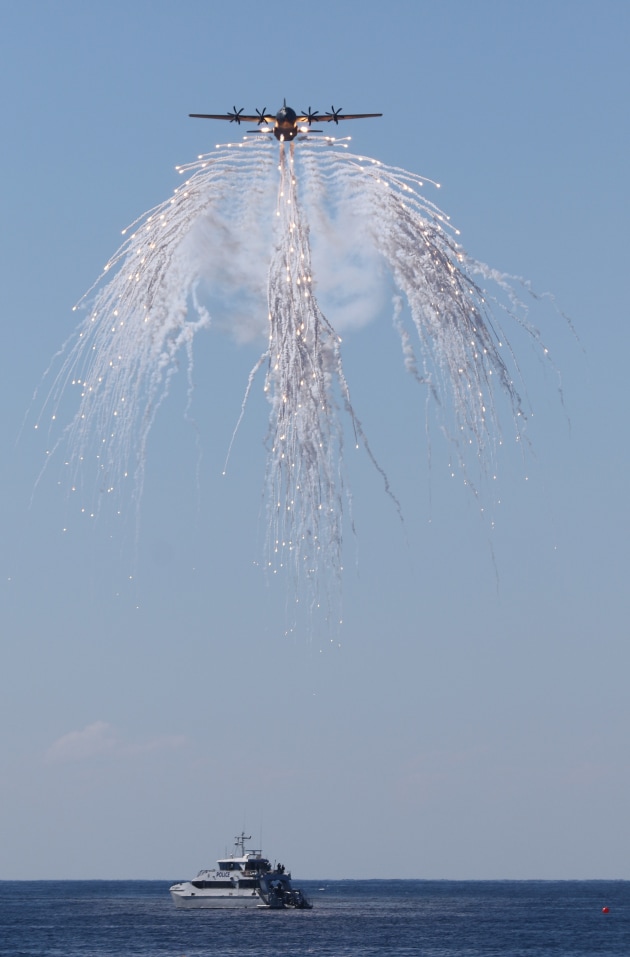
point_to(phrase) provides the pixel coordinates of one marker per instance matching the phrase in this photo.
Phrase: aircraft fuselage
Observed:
(286, 127)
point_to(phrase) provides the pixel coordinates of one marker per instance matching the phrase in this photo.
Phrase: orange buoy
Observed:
(605, 910)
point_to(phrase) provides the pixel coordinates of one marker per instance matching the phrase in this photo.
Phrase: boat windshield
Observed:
(258, 864)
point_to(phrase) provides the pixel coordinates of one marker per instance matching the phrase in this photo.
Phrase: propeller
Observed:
(310, 115)
(335, 114)
(235, 116)
(262, 114)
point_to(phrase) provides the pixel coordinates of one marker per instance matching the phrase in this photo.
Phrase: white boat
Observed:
(240, 880)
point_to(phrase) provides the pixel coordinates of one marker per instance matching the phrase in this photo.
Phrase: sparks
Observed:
(450, 337)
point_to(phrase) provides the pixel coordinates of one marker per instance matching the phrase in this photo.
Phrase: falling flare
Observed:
(125, 367)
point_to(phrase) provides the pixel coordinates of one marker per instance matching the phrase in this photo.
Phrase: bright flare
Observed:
(148, 306)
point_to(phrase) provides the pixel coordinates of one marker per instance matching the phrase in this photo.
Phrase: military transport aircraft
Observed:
(286, 122)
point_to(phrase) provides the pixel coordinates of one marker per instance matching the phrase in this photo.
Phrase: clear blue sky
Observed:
(472, 721)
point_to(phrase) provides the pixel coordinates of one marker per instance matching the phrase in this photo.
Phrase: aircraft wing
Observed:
(231, 117)
(329, 117)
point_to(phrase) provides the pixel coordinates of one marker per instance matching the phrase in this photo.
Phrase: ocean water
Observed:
(349, 918)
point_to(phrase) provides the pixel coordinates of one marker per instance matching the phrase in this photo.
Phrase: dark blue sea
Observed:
(349, 918)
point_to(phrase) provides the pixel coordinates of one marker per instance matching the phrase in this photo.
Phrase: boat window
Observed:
(203, 885)
(229, 865)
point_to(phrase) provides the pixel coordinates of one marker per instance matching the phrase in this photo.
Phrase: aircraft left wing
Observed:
(335, 117)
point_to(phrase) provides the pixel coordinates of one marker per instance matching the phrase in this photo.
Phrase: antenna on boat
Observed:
(239, 841)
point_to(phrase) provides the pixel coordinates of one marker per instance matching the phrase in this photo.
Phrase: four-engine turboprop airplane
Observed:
(286, 123)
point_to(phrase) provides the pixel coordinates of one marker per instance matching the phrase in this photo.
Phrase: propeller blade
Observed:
(310, 115)
(235, 116)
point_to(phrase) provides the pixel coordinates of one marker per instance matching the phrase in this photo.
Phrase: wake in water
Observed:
(245, 226)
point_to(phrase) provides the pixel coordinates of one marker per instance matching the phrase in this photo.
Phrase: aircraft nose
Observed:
(286, 113)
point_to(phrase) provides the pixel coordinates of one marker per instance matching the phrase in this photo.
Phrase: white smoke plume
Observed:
(289, 245)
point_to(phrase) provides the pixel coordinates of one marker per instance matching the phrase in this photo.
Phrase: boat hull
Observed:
(215, 901)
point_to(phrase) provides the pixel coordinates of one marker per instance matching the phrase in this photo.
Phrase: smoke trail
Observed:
(464, 358)
(126, 351)
(180, 267)
(303, 474)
